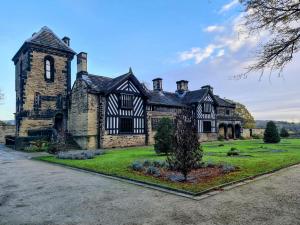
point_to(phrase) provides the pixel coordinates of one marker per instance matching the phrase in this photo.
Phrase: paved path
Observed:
(34, 192)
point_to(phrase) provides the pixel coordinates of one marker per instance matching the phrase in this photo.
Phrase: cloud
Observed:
(221, 53)
(232, 41)
(229, 6)
(214, 28)
(198, 54)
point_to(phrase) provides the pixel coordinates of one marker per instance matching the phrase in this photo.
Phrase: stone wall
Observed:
(121, 140)
(6, 130)
(203, 137)
(248, 133)
(35, 82)
(86, 116)
(31, 124)
(159, 115)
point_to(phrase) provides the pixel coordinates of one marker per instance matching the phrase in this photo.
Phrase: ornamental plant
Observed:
(187, 153)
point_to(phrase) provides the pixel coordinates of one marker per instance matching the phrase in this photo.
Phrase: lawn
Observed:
(256, 158)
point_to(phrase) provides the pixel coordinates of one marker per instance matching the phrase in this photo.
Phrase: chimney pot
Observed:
(66, 40)
(182, 86)
(157, 84)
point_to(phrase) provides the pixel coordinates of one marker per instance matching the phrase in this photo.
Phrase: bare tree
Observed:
(281, 19)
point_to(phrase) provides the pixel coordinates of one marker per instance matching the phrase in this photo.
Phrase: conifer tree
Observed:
(164, 136)
(271, 134)
(284, 133)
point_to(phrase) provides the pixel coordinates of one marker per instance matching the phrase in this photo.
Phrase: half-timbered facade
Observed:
(99, 111)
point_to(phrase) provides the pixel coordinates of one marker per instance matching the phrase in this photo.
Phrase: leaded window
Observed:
(207, 107)
(37, 101)
(49, 68)
(207, 126)
(126, 101)
(126, 125)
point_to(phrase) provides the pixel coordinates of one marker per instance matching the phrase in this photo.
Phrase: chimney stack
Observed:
(208, 87)
(81, 63)
(157, 84)
(182, 86)
(66, 40)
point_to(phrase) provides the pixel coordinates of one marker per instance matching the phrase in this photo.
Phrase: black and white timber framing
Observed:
(115, 112)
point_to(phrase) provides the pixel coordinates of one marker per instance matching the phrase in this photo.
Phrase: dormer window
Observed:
(207, 107)
(49, 68)
(126, 101)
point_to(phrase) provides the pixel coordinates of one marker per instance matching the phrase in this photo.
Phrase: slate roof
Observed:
(47, 38)
(164, 98)
(194, 96)
(101, 84)
(97, 83)
(224, 102)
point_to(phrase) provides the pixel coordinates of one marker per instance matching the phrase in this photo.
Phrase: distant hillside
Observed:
(294, 127)
(9, 122)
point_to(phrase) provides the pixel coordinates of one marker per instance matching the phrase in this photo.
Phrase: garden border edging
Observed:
(175, 191)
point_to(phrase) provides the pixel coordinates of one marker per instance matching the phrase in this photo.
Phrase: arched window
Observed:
(49, 68)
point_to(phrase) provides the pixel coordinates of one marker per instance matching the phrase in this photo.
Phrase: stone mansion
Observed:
(103, 112)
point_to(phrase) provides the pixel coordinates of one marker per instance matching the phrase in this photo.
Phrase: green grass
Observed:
(256, 158)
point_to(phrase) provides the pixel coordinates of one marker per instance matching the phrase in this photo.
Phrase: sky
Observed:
(203, 42)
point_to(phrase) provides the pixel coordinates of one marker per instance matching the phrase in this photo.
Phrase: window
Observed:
(37, 101)
(59, 102)
(126, 101)
(154, 123)
(49, 68)
(126, 125)
(207, 107)
(206, 126)
(227, 112)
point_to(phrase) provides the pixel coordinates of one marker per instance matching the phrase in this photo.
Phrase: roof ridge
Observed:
(47, 29)
(95, 75)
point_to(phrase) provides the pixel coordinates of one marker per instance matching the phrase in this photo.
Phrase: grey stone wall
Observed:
(6, 130)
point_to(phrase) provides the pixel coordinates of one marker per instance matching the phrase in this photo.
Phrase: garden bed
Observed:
(263, 160)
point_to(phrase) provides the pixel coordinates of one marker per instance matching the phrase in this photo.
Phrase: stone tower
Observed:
(43, 83)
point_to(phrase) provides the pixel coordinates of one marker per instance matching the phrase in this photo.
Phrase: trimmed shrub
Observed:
(137, 166)
(271, 134)
(233, 152)
(159, 163)
(163, 137)
(151, 170)
(227, 168)
(221, 145)
(147, 162)
(284, 133)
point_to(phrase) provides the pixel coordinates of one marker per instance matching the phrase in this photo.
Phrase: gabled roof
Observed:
(194, 96)
(224, 102)
(101, 84)
(46, 38)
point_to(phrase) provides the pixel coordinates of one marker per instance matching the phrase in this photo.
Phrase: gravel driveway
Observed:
(33, 192)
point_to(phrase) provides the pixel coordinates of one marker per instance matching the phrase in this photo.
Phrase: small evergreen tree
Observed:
(186, 153)
(164, 136)
(271, 134)
(284, 133)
